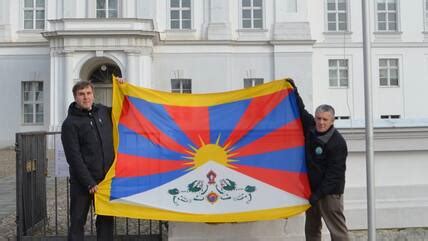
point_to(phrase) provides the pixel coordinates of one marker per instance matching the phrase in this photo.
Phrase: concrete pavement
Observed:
(7, 196)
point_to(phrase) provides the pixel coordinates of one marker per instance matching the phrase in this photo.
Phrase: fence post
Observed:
(19, 173)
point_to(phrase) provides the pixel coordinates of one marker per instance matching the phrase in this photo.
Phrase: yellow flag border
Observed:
(103, 205)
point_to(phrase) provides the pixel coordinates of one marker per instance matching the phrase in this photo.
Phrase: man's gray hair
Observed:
(325, 108)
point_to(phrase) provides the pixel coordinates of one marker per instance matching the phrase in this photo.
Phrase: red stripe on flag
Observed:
(135, 121)
(288, 136)
(132, 166)
(193, 121)
(255, 112)
(293, 182)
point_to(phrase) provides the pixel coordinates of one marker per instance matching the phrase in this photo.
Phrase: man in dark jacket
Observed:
(88, 145)
(326, 153)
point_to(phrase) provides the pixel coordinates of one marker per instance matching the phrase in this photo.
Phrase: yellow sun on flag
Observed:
(210, 152)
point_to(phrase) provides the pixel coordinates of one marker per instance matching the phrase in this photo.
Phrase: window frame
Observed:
(107, 9)
(34, 102)
(34, 19)
(347, 19)
(342, 117)
(390, 117)
(241, 15)
(338, 69)
(181, 89)
(425, 14)
(254, 82)
(397, 17)
(388, 78)
(180, 19)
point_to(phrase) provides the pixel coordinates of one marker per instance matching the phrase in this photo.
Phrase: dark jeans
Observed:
(81, 201)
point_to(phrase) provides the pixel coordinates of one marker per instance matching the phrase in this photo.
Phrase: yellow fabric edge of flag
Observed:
(104, 185)
(103, 205)
(209, 99)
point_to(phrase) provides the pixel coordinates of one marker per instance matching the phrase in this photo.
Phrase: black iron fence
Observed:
(42, 198)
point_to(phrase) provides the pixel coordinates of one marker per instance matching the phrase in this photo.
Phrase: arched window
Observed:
(103, 73)
(101, 77)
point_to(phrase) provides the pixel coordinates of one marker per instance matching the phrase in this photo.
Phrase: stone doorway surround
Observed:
(76, 44)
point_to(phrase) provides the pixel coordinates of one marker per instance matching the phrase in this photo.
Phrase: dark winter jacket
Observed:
(326, 161)
(325, 157)
(88, 143)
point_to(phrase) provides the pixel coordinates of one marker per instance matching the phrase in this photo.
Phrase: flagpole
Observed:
(371, 221)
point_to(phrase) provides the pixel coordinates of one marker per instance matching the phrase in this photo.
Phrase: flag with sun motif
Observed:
(223, 157)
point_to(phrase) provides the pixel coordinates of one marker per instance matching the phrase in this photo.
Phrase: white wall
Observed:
(209, 71)
(407, 45)
(15, 69)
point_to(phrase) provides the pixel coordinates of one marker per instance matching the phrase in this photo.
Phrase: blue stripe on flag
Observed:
(135, 144)
(127, 186)
(287, 160)
(224, 118)
(159, 117)
(285, 112)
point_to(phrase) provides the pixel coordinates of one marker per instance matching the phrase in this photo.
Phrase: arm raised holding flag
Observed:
(326, 153)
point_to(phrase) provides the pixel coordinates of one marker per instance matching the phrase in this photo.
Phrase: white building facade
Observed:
(218, 45)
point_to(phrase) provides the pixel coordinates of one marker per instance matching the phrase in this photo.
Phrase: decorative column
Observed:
(55, 90)
(146, 9)
(67, 82)
(132, 71)
(128, 9)
(69, 8)
(293, 45)
(219, 22)
(291, 20)
(146, 67)
(5, 21)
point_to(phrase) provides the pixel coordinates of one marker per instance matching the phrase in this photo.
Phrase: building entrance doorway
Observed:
(101, 77)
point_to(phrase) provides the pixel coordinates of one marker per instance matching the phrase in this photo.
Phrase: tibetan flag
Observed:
(222, 157)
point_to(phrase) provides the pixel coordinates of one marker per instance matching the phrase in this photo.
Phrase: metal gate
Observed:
(42, 199)
(30, 181)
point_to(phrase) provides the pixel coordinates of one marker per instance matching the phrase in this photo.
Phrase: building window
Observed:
(388, 72)
(337, 17)
(252, 14)
(32, 102)
(426, 14)
(387, 11)
(107, 8)
(390, 116)
(181, 14)
(34, 14)
(342, 117)
(181, 85)
(338, 72)
(251, 82)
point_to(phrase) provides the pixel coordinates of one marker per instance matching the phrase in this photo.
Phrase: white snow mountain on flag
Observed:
(214, 189)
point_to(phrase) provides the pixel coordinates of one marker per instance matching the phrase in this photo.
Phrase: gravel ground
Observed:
(7, 162)
(7, 168)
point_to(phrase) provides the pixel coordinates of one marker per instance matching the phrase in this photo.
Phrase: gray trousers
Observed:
(330, 208)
